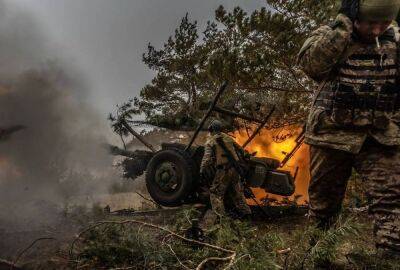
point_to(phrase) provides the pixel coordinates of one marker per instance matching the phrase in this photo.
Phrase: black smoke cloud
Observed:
(58, 154)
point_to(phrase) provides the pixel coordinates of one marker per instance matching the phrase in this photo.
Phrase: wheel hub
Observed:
(166, 177)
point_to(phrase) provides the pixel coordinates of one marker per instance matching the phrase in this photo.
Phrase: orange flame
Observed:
(276, 144)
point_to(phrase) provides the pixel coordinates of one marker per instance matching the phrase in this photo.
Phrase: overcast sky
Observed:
(106, 38)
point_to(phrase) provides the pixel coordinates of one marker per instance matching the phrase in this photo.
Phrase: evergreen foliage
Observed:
(255, 52)
(327, 243)
(257, 246)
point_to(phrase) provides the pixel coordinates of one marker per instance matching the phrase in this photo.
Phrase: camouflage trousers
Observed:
(227, 185)
(379, 167)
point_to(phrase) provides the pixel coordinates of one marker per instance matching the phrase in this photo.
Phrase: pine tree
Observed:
(256, 53)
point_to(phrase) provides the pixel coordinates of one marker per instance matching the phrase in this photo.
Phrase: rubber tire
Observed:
(189, 172)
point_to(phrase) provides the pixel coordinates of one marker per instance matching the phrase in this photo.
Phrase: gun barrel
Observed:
(137, 136)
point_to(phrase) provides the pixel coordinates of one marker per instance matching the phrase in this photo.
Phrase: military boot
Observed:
(209, 219)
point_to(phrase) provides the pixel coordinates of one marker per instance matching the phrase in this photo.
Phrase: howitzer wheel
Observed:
(171, 176)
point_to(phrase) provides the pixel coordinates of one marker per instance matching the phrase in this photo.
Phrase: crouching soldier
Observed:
(226, 184)
(354, 120)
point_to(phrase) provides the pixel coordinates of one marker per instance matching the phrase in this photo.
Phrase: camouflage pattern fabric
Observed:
(213, 153)
(379, 167)
(227, 185)
(330, 56)
(344, 137)
(325, 48)
(367, 80)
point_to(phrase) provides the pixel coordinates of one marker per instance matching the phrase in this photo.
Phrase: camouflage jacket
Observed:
(214, 155)
(327, 48)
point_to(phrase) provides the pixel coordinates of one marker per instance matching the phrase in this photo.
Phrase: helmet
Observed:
(215, 126)
(378, 10)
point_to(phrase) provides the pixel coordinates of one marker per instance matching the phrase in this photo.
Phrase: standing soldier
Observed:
(226, 181)
(354, 120)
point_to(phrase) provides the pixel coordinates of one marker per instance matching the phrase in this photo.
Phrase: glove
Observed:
(344, 25)
(350, 8)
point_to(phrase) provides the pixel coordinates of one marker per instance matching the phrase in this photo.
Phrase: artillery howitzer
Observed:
(173, 173)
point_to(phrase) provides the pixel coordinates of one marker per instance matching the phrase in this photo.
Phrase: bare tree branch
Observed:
(149, 200)
(30, 246)
(230, 258)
